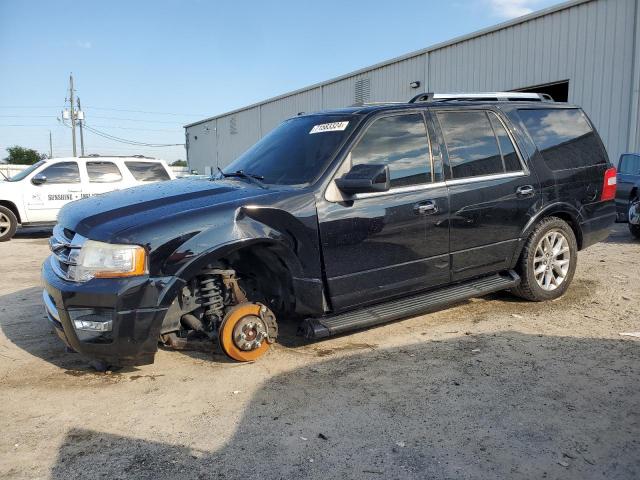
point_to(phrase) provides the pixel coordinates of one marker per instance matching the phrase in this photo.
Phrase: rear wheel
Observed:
(8, 224)
(548, 261)
(634, 217)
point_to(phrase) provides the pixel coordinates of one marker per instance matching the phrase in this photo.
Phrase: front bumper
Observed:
(135, 306)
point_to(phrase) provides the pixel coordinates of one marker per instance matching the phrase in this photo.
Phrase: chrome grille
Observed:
(65, 246)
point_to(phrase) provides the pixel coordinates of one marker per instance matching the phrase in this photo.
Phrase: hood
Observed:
(103, 216)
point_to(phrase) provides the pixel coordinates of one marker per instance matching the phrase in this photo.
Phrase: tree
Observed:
(179, 163)
(23, 156)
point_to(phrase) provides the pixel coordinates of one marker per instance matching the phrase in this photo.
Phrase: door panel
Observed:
(383, 246)
(492, 194)
(380, 245)
(628, 173)
(43, 202)
(487, 218)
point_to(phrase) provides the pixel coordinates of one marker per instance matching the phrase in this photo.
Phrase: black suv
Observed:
(341, 219)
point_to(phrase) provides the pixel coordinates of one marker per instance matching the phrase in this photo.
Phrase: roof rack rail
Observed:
(367, 104)
(482, 97)
(97, 155)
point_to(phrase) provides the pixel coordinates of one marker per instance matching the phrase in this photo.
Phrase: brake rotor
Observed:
(244, 333)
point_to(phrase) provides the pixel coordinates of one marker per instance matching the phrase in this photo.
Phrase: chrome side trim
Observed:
(484, 178)
(392, 191)
(50, 306)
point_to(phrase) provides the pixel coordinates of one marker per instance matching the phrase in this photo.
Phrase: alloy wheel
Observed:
(552, 260)
(5, 224)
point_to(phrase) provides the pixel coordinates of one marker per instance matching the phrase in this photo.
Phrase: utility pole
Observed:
(50, 146)
(73, 116)
(81, 122)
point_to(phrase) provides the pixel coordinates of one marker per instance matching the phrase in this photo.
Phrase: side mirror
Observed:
(365, 179)
(38, 179)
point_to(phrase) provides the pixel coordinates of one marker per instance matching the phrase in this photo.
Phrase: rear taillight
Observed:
(609, 185)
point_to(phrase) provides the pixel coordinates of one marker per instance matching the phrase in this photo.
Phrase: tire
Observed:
(634, 229)
(557, 273)
(8, 224)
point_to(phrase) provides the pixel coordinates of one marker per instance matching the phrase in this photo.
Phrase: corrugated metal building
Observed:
(583, 51)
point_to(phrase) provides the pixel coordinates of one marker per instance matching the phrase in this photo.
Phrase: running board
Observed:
(315, 328)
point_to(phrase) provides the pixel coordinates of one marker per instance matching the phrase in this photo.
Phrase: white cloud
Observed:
(83, 44)
(511, 8)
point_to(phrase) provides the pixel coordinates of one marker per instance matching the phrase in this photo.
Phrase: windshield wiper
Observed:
(255, 179)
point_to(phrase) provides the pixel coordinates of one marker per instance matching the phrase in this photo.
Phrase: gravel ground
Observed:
(491, 388)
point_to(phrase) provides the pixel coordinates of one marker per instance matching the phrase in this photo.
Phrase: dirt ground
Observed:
(491, 388)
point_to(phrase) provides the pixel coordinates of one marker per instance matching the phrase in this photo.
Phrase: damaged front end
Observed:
(213, 307)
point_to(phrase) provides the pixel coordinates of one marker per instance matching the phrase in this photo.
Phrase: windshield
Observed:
(20, 175)
(297, 151)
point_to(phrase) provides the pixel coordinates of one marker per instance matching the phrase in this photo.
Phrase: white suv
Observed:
(36, 195)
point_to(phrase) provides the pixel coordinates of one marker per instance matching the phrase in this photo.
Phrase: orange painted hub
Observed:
(228, 344)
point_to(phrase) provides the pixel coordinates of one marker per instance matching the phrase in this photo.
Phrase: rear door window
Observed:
(399, 141)
(507, 149)
(147, 171)
(564, 137)
(103, 172)
(630, 164)
(471, 144)
(63, 172)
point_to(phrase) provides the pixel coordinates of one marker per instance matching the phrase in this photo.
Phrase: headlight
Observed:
(106, 260)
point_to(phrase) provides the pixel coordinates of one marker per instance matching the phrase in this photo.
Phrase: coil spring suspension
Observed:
(212, 294)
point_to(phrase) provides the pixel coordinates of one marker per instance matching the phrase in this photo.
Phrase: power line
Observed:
(109, 109)
(26, 116)
(99, 116)
(36, 125)
(25, 125)
(148, 112)
(129, 142)
(140, 129)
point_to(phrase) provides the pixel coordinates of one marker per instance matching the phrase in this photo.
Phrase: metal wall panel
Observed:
(391, 82)
(341, 93)
(273, 113)
(231, 145)
(593, 44)
(589, 44)
(202, 146)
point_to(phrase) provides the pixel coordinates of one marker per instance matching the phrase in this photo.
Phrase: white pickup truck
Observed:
(36, 195)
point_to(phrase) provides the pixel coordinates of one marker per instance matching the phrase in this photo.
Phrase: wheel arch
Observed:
(13, 207)
(564, 211)
(267, 256)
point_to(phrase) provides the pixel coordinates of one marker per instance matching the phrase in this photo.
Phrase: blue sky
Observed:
(190, 59)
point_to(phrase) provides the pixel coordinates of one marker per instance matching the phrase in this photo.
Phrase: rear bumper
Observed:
(597, 228)
(133, 308)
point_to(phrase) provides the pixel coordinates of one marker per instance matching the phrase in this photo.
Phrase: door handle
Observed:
(525, 191)
(426, 208)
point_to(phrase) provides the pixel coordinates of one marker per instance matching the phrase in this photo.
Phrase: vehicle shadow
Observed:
(34, 232)
(621, 235)
(24, 323)
(503, 405)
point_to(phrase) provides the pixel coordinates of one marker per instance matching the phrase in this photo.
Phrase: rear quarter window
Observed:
(147, 171)
(564, 137)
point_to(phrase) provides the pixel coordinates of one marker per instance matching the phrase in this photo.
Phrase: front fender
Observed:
(292, 239)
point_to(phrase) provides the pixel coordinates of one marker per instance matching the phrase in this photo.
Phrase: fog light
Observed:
(92, 324)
